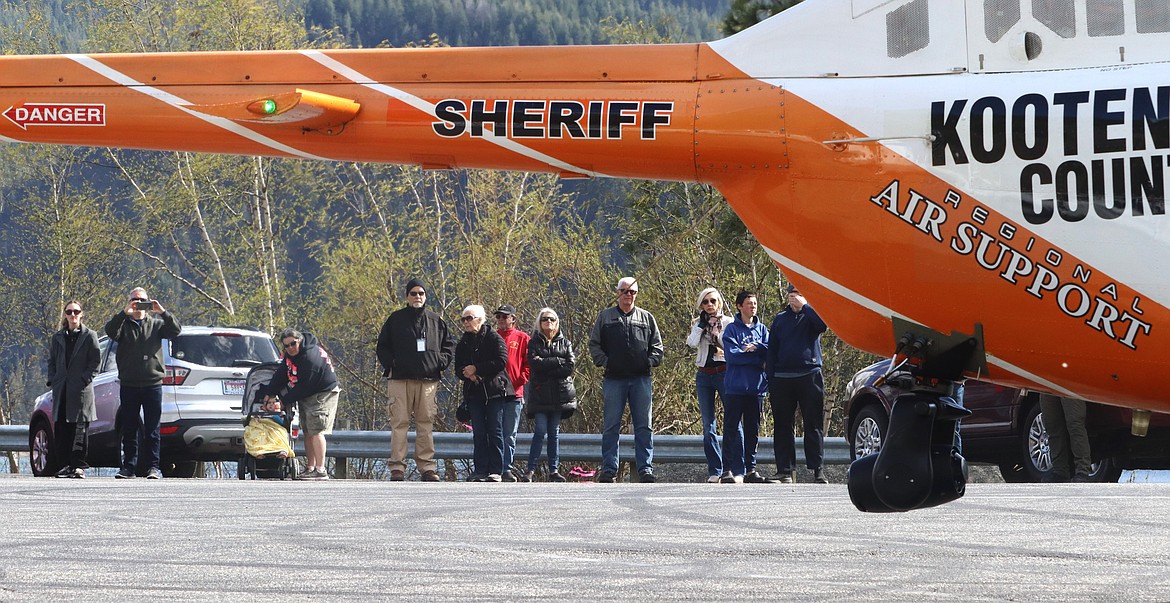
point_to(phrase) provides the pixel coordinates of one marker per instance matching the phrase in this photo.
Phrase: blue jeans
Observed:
(487, 435)
(705, 388)
(142, 429)
(741, 432)
(545, 423)
(615, 393)
(512, 408)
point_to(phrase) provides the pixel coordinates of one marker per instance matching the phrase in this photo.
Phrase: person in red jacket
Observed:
(517, 369)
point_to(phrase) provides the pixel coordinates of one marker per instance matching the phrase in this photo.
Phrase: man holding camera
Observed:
(139, 330)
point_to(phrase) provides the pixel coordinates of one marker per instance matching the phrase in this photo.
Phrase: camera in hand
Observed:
(143, 305)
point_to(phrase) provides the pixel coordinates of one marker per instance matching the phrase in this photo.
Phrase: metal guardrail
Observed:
(448, 445)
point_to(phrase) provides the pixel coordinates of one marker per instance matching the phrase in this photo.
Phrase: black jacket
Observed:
(309, 372)
(550, 382)
(625, 345)
(74, 383)
(140, 358)
(398, 345)
(487, 351)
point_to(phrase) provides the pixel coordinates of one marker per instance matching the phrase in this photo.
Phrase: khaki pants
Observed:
(412, 397)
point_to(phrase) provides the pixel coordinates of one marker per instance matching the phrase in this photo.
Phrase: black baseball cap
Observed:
(506, 309)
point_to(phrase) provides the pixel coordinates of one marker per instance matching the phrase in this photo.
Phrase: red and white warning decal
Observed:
(56, 114)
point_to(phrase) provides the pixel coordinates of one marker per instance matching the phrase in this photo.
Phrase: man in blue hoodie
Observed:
(745, 346)
(794, 368)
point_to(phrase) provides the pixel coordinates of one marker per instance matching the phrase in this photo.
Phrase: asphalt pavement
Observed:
(101, 539)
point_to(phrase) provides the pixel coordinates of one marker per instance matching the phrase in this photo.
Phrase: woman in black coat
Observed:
(74, 357)
(480, 358)
(551, 396)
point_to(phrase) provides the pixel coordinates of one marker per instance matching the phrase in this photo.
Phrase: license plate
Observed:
(234, 387)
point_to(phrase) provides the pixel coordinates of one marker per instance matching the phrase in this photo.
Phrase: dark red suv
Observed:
(1006, 429)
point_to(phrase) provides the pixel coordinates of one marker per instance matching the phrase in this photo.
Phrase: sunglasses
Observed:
(418, 293)
(628, 291)
(710, 301)
(73, 312)
(467, 318)
(548, 319)
(290, 344)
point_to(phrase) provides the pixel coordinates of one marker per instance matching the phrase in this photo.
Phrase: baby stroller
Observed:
(268, 450)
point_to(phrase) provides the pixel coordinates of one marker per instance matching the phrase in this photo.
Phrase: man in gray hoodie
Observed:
(139, 330)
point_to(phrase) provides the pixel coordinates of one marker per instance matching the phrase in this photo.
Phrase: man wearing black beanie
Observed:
(414, 349)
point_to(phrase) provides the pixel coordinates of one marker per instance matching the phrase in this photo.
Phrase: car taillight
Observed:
(176, 375)
(168, 429)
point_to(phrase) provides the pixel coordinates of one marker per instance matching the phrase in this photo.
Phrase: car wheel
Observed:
(1105, 471)
(1034, 457)
(868, 430)
(184, 469)
(40, 450)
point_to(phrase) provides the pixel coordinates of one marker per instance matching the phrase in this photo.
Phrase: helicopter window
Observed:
(1153, 16)
(907, 29)
(1057, 15)
(1105, 18)
(998, 17)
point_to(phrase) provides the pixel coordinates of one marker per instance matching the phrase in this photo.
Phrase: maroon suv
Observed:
(1006, 429)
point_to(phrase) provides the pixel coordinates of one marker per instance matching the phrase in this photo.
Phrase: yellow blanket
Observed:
(264, 436)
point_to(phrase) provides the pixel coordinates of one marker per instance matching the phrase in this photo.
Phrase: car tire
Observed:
(1105, 471)
(41, 455)
(1032, 461)
(183, 469)
(869, 428)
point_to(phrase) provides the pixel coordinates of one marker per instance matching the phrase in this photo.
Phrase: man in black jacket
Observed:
(139, 330)
(625, 341)
(308, 380)
(414, 349)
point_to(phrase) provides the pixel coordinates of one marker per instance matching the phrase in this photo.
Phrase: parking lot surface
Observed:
(212, 540)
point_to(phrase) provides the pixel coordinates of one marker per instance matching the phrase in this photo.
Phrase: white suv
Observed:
(203, 390)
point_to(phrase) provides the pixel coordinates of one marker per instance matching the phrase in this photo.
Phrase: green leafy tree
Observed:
(746, 13)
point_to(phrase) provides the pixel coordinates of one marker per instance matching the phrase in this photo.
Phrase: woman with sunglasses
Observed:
(551, 395)
(480, 358)
(710, 365)
(73, 363)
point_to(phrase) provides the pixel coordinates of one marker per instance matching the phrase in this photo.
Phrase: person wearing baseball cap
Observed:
(517, 369)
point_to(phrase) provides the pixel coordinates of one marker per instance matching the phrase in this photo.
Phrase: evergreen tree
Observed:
(746, 13)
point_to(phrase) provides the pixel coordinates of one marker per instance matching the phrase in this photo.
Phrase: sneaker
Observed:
(66, 471)
(755, 478)
(397, 475)
(819, 476)
(508, 476)
(314, 474)
(78, 473)
(783, 478)
(476, 477)
(1081, 478)
(527, 477)
(430, 475)
(154, 473)
(647, 477)
(124, 473)
(713, 479)
(493, 477)
(727, 478)
(556, 477)
(605, 477)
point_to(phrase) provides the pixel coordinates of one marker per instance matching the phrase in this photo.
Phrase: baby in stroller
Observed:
(267, 432)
